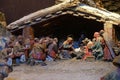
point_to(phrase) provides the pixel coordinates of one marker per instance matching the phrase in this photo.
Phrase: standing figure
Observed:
(97, 47)
(82, 37)
(106, 51)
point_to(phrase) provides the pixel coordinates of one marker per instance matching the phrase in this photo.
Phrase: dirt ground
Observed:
(62, 70)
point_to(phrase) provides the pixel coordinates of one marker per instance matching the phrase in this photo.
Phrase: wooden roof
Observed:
(72, 7)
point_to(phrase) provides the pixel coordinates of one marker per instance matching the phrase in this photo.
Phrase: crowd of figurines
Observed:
(32, 51)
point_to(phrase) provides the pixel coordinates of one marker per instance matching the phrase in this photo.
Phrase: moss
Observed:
(2, 17)
(117, 4)
(112, 8)
(112, 5)
(107, 4)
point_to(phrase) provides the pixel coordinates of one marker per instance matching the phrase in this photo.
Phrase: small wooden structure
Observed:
(47, 16)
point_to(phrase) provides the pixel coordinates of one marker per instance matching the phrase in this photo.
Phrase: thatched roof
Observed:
(72, 7)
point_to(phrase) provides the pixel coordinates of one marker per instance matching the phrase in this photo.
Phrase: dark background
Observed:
(15, 9)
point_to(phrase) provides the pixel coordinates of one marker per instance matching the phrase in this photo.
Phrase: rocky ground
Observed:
(62, 70)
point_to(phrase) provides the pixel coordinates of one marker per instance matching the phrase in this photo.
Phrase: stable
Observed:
(69, 17)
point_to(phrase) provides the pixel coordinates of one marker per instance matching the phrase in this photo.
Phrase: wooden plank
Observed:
(49, 15)
(58, 12)
(81, 14)
(75, 15)
(70, 12)
(90, 58)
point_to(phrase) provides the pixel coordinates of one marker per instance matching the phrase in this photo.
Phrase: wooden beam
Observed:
(53, 9)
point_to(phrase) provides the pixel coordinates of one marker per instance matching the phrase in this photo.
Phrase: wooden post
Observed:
(108, 36)
(114, 35)
(28, 31)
